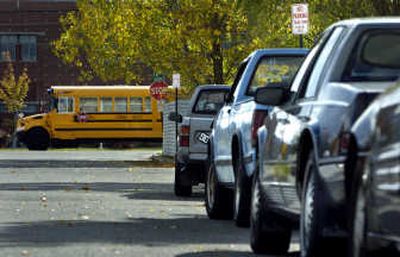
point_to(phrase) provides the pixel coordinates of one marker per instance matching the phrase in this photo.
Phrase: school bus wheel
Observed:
(37, 138)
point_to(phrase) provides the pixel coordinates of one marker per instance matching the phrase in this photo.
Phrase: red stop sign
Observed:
(158, 90)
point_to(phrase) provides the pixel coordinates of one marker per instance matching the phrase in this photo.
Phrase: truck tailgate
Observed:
(199, 133)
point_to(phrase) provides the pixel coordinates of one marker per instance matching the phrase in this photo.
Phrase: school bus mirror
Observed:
(173, 116)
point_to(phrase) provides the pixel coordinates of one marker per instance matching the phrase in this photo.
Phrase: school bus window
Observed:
(88, 104)
(147, 104)
(136, 104)
(106, 104)
(65, 104)
(121, 104)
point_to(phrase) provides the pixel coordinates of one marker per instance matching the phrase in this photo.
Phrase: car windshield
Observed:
(210, 102)
(375, 58)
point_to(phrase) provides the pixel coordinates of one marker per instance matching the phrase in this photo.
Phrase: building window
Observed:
(28, 48)
(8, 45)
(19, 47)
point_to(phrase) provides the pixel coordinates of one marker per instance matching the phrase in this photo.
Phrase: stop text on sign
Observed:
(158, 90)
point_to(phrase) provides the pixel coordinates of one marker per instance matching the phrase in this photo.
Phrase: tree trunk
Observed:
(218, 64)
(217, 24)
(14, 130)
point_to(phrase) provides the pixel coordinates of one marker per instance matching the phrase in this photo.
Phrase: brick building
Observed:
(27, 27)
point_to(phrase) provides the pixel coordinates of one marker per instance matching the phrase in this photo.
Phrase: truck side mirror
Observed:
(173, 116)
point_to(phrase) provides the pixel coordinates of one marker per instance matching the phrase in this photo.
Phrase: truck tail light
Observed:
(257, 121)
(184, 136)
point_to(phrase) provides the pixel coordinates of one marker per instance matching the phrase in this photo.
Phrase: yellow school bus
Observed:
(93, 113)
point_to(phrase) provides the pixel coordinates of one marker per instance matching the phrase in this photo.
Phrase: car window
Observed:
(375, 57)
(301, 82)
(274, 69)
(388, 131)
(320, 64)
(210, 102)
(296, 86)
(239, 74)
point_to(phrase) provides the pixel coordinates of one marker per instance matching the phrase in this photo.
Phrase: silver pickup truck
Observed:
(191, 158)
(233, 141)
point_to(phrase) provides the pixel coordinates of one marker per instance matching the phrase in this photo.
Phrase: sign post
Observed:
(300, 20)
(176, 83)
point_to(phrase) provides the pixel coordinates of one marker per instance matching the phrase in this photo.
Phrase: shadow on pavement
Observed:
(80, 164)
(95, 186)
(229, 254)
(134, 191)
(167, 196)
(141, 231)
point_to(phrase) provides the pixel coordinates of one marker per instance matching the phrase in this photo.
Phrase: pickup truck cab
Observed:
(233, 139)
(191, 158)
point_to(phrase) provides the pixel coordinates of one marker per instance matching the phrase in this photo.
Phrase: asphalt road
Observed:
(105, 203)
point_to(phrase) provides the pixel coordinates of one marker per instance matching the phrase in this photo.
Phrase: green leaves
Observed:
(116, 40)
(203, 40)
(13, 91)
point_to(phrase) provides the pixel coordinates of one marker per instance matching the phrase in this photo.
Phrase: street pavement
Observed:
(105, 203)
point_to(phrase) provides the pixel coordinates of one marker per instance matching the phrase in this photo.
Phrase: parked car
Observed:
(301, 177)
(191, 158)
(233, 138)
(374, 159)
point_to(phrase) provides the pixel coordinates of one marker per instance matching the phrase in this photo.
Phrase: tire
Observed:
(269, 234)
(37, 139)
(312, 217)
(357, 215)
(218, 199)
(242, 194)
(179, 189)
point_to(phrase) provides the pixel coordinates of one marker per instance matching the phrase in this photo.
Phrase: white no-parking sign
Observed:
(300, 19)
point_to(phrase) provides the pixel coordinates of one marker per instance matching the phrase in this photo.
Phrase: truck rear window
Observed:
(210, 102)
(274, 69)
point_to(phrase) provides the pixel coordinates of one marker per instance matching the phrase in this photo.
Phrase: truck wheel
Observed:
(179, 189)
(268, 233)
(242, 196)
(218, 199)
(37, 139)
